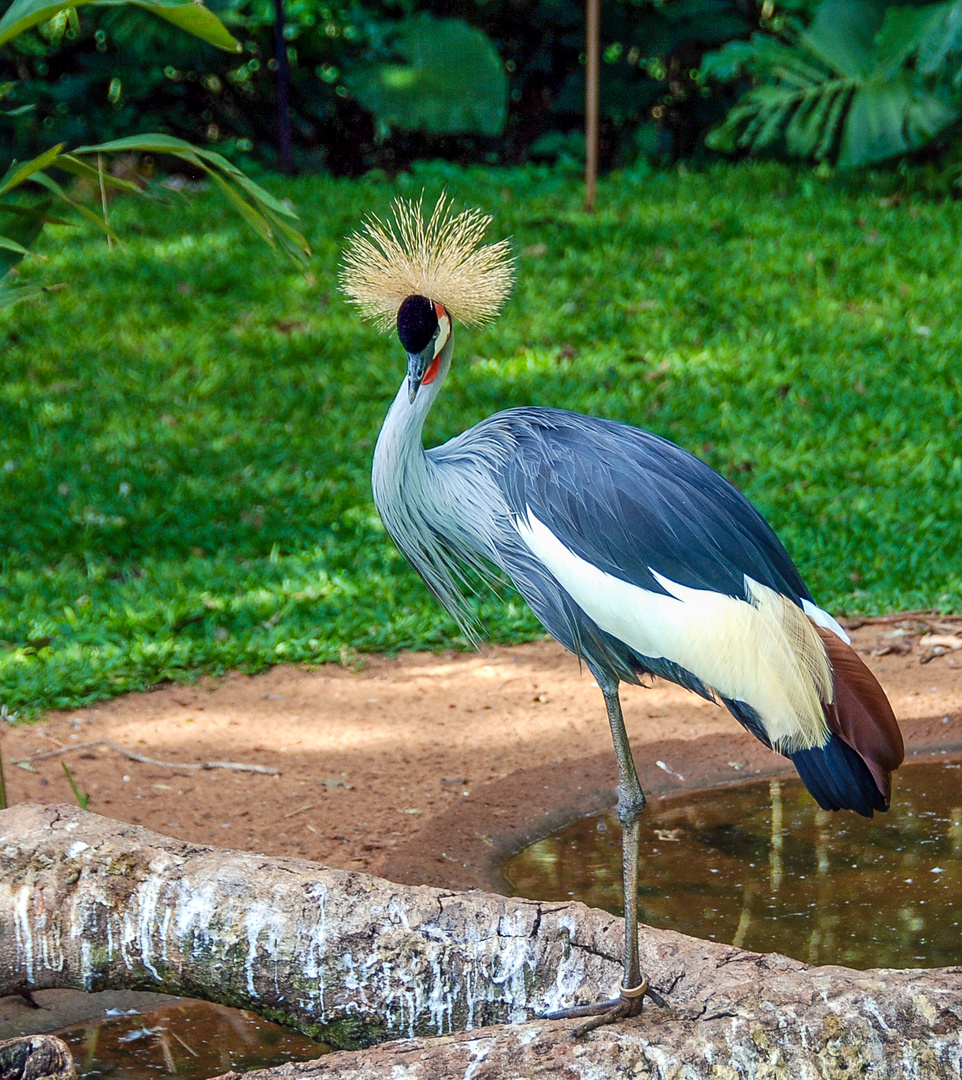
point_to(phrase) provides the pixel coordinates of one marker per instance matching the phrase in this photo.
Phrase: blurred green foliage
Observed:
(450, 80)
(122, 71)
(25, 210)
(188, 428)
(865, 81)
(383, 83)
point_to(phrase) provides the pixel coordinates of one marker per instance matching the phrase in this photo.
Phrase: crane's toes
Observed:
(628, 1003)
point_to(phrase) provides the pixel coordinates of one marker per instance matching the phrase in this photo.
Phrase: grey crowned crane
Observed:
(635, 555)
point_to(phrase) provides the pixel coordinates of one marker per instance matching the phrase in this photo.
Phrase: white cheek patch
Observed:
(444, 331)
(765, 653)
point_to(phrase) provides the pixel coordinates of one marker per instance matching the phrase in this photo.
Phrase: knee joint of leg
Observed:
(630, 806)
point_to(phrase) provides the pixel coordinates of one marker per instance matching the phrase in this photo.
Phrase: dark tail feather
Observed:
(866, 745)
(838, 778)
(835, 775)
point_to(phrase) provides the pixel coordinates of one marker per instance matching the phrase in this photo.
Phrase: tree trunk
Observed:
(89, 903)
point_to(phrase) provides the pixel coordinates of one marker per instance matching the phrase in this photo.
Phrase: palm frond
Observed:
(864, 83)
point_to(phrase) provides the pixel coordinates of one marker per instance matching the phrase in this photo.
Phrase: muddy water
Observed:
(137, 1036)
(760, 866)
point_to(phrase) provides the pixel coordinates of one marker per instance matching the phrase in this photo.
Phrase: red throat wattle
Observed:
(435, 366)
(432, 372)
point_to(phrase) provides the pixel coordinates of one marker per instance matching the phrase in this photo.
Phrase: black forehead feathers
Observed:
(416, 323)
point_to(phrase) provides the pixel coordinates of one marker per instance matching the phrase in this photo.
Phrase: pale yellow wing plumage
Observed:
(442, 258)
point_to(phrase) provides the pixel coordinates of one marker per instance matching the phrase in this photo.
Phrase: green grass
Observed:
(187, 428)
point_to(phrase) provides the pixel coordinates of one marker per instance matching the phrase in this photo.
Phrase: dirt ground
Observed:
(424, 768)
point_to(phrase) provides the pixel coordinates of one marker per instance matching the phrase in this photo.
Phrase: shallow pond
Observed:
(137, 1036)
(760, 866)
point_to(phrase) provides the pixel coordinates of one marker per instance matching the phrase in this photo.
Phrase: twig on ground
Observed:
(189, 1049)
(905, 616)
(55, 753)
(144, 760)
(300, 810)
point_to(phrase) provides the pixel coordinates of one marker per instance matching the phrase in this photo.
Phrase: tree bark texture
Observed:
(90, 903)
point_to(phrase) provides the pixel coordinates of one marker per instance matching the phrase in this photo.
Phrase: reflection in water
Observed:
(759, 865)
(186, 1038)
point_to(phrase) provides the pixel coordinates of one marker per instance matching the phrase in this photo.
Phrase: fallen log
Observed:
(90, 903)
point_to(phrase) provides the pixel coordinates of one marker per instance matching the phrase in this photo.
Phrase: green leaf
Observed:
(451, 80)
(76, 167)
(21, 171)
(169, 144)
(258, 207)
(725, 137)
(256, 221)
(902, 33)
(262, 212)
(34, 212)
(85, 212)
(927, 116)
(193, 17)
(733, 59)
(11, 245)
(188, 15)
(814, 123)
(877, 125)
(833, 123)
(802, 131)
(20, 229)
(942, 39)
(11, 294)
(852, 84)
(150, 143)
(842, 35)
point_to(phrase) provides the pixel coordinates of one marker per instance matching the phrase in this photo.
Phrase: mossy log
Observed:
(90, 903)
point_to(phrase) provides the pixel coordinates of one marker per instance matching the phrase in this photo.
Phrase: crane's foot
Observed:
(628, 1003)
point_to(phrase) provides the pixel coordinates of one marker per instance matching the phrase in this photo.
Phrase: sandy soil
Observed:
(422, 768)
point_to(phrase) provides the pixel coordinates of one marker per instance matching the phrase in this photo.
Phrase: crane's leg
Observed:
(631, 803)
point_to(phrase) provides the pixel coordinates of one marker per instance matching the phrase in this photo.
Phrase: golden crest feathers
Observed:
(442, 259)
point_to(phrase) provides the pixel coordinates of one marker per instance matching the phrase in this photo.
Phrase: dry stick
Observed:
(151, 761)
(871, 620)
(189, 1049)
(55, 753)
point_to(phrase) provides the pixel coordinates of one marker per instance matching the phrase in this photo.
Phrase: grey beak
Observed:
(418, 364)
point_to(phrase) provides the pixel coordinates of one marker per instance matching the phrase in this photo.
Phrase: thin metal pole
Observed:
(283, 82)
(592, 75)
(3, 790)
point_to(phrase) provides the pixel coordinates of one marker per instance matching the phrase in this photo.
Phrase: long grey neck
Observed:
(412, 498)
(423, 505)
(400, 472)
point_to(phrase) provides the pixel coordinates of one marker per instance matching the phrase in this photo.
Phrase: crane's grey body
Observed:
(623, 499)
(635, 555)
(641, 560)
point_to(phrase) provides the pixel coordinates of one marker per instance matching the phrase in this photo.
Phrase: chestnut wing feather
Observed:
(861, 713)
